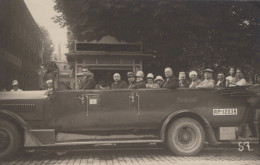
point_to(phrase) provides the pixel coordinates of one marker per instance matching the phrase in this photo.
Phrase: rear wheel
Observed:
(10, 139)
(185, 137)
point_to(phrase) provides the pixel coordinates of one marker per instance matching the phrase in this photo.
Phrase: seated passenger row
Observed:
(137, 80)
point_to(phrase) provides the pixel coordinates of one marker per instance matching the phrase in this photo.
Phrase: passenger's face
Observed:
(232, 71)
(85, 71)
(131, 79)
(138, 79)
(159, 82)
(221, 76)
(239, 74)
(116, 77)
(193, 77)
(49, 85)
(168, 72)
(149, 81)
(182, 77)
(207, 75)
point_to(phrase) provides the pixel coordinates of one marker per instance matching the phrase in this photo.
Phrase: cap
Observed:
(139, 74)
(208, 70)
(15, 82)
(150, 75)
(193, 73)
(158, 78)
(130, 74)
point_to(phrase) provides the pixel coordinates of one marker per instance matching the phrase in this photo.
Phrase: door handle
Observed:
(82, 98)
(138, 104)
(132, 97)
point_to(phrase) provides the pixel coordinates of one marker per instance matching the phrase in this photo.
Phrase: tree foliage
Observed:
(48, 46)
(183, 35)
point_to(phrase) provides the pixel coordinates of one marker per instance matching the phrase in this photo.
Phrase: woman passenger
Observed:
(194, 79)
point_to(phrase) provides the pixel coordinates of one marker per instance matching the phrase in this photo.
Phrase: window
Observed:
(65, 67)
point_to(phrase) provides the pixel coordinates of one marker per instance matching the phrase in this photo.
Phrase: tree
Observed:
(48, 46)
(183, 35)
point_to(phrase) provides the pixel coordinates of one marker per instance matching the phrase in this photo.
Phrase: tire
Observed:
(185, 137)
(10, 139)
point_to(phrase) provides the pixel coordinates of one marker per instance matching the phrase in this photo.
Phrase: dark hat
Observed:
(208, 70)
(130, 74)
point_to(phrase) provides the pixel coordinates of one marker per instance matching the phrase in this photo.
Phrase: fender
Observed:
(210, 135)
(30, 139)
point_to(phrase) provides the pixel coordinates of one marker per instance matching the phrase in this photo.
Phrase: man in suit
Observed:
(208, 81)
(171, 81)
(221, 80)
(87, 80)
(131, 79)
(118, 83)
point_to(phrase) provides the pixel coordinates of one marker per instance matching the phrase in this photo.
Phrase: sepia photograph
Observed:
(129, 82)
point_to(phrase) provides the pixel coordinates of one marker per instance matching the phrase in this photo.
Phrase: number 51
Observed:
(242, 145)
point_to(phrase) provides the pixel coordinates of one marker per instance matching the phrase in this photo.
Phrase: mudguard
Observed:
(210, 135)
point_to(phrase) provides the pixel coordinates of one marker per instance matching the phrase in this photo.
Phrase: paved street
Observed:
(149, 156)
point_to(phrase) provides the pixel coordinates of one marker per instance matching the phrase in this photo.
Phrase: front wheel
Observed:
(10, 139)
(185, 137)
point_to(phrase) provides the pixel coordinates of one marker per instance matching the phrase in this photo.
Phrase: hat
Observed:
(193, 73)
(150, 75)
(158, 78)
(50, 81)
(139, 74)
(15, 82)
(208, 70)
(130, 74)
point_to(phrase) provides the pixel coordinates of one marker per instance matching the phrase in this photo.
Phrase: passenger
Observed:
(194, 79)
(208, 81)
(159, 80)
(15, 86)
(240, 80)
(87, 80)
(150, 82)
(183, 83)
(49, 84)
(139, 80)
(131, 79)
(232, 78)
(118, 84)
(221, 80)
(171, 81)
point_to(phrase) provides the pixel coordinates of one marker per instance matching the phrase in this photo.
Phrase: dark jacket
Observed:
(87, 82)
(172, 83)
(222, 84)
(130, 85)
(140, 84)
(118, 85)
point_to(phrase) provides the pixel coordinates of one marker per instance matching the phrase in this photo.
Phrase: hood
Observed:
(23, 95)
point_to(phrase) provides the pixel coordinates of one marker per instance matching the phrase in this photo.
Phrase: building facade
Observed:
(106, 57)
(21, 46)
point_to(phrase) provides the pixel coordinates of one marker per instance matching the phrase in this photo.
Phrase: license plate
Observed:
(230, 111)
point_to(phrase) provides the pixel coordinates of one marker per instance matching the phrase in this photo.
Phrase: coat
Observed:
(171, 83)
(140, 84)
(118, 85)
(87, 82)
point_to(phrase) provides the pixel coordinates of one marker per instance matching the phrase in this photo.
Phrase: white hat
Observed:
(192, 73)
(50, 81)
(150, 75)
(158, 78)
(140, 74)
(15, 82)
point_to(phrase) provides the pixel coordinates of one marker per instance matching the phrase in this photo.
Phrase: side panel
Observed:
(156, 105)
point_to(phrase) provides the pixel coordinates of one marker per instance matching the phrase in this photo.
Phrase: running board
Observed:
(100, 142)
